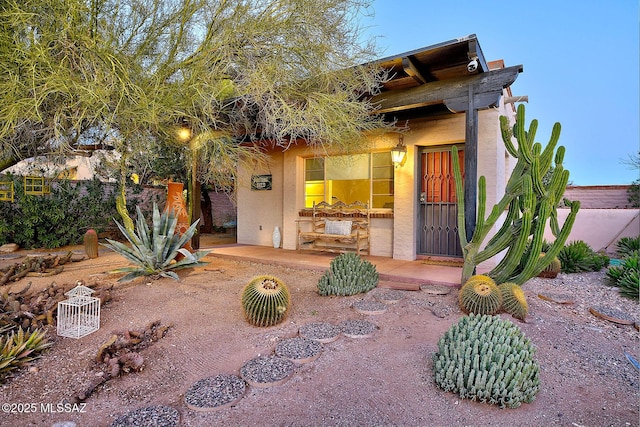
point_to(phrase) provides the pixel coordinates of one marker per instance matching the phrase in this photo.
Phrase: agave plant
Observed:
(20, 348)
(154, 251)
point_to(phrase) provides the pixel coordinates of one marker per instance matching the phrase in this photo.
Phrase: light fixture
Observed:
(399, 152)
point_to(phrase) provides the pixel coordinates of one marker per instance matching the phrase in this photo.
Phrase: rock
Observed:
(9, 247)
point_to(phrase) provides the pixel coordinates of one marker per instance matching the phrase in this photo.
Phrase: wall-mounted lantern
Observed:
(399, 152)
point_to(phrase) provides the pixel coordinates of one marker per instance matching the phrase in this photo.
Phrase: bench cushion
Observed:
(342, 228)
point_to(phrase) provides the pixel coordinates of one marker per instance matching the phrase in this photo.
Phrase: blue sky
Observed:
(580, 64)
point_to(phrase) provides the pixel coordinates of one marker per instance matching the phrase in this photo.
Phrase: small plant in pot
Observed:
(154, 251)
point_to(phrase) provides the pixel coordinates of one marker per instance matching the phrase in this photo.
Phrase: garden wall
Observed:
(604, 217)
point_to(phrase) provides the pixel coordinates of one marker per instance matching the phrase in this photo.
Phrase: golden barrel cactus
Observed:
(514, 301)
(265, 300)
(480, 295)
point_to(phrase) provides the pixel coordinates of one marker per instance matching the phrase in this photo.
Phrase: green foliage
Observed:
(626, 245)
(265, 300)
(480, 295)
(348, 274)
(153, 251)
(57, 219)
(530, 201)
(488, 359)
(514, 300)
(19, 348)
(626, 276)
(577, 257)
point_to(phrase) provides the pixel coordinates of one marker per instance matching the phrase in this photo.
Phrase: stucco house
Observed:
(446, 94)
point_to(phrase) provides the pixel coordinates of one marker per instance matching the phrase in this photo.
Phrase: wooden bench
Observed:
(337, 227)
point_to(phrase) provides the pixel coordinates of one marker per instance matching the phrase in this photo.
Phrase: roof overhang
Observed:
(436, 79)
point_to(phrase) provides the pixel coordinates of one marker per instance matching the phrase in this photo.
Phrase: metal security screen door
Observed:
(438, 229)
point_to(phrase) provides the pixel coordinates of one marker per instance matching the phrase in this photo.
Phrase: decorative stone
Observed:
(612, 315)
(321, 332)
(357, 328)
(436, 289)
(370, 307)
(299, 350)
(267, 371)
(214, 393)
(9, 247)
(391, 296)
(157, 416)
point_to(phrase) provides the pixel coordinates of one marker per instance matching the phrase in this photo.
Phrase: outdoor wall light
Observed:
(399, 152)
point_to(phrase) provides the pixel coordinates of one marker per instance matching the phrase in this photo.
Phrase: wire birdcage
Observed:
(80, 314)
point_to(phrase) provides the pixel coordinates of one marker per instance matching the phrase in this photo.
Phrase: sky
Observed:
(580, 62)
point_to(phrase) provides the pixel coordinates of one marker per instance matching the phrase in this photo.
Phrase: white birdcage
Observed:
(80, 314)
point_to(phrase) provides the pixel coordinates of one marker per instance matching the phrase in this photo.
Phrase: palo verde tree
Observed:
(79, 74)
(530, 203)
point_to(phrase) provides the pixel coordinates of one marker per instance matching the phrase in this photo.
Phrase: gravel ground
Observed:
(384, 379)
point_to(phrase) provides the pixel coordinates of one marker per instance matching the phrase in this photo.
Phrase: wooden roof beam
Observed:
(412, 70)
(489, 83)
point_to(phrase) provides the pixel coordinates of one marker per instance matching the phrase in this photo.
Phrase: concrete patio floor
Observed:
(397, 274)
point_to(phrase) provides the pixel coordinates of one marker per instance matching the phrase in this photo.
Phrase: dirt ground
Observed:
(386, 379)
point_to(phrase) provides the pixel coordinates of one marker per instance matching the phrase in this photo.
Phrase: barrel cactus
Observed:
(90, 241)
(480, 295)
(552, 270)
(348, 274)
(514, 301)
(489, 359)
(265, 300)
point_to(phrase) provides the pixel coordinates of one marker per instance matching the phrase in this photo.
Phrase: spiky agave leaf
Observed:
(153, 251)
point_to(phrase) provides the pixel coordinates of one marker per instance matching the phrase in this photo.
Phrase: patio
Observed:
(396, 274)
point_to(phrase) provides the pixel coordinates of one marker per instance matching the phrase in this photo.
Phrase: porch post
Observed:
(470, 165)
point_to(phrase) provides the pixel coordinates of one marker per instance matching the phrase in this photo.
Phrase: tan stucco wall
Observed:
(600, 228)
(259, 212)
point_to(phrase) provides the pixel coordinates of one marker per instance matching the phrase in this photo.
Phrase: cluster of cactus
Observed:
(488, 359)
(626, 276)
(19, 348)
(481, 295)
(530, 203)
(265, 300)
(348, 274)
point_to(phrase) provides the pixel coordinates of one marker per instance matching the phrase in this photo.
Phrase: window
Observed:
(366, 178)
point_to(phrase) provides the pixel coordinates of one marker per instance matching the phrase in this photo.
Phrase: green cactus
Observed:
(489, 359)
(348, 274)
(480, 295)
(551, 271)
(265, 300)
(514, 301)
(90, 241)
(529, 202)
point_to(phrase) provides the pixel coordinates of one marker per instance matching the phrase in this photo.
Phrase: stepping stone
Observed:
(370, 307)
(299, 350)
(557, 298)
(321, 332)
(158, 416)
(390, 296)
(214, 393)
(358, 328)
(267, 371)
(436, 289)
(612, 315)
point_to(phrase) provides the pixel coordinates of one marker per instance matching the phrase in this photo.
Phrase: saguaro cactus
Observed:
(530, 201)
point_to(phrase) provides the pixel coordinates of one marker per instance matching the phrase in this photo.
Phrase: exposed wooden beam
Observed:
(412, 70)
(439, 91)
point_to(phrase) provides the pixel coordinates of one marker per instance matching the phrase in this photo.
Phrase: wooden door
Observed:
(438, 223)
